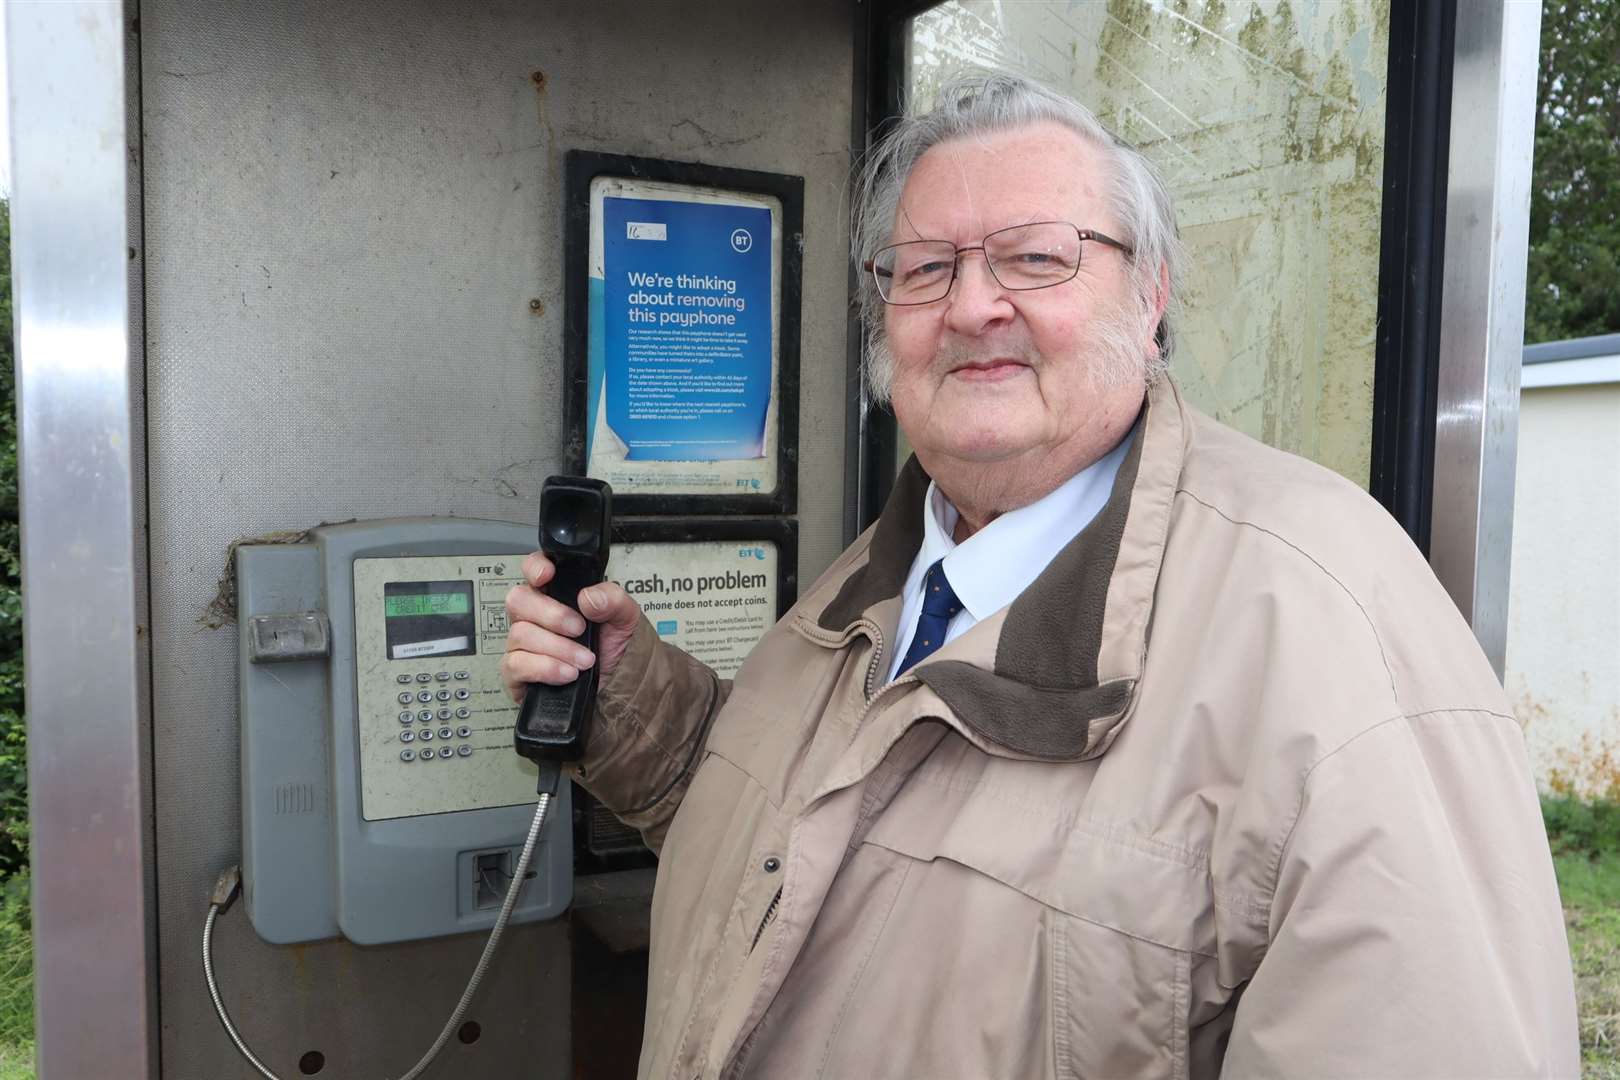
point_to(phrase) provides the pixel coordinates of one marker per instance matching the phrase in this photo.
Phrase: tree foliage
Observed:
(1573, 284)
(13, 731)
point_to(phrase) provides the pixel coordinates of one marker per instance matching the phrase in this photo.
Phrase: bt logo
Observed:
(742, 241)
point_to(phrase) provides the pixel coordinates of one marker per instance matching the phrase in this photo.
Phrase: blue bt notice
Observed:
(686, 328)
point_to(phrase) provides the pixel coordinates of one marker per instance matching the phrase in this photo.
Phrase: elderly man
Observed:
(1120, 746)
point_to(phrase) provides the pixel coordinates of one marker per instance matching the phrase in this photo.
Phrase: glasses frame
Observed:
(870, 265)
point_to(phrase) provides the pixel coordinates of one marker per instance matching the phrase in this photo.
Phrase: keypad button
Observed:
(402, 678)
(407, 755)
(427, 733)
(422, 676)
(407, 736)
(464, 731)
(463, 675)
(444, 695)
(405, 718)
(424, 696)
(447, 751)
(444, 714)
(445, 733)
(406, 698)
(426, 716)
(443, 676)
(464, 750)
(463, 712)
(426, 754)
(462, 693)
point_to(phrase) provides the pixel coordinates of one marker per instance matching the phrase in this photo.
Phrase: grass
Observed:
(17, 1061)
(16, 981)
(1586, 855)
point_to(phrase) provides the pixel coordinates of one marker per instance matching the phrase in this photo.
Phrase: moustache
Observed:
(959, 353)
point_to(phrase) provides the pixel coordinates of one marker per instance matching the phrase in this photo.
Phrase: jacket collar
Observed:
(1068, 653)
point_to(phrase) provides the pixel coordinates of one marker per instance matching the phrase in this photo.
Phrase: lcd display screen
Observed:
(429, 618)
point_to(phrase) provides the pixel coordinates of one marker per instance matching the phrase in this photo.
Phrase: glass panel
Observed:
(1267, 121)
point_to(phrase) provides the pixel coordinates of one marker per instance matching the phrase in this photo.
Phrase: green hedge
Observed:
(1575, 827)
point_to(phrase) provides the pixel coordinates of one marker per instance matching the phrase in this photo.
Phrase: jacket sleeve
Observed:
(1415, 929)
(653, 715)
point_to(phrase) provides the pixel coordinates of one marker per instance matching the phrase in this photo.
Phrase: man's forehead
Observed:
(982, 183)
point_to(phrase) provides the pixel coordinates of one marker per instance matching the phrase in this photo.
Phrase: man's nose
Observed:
(977, 299)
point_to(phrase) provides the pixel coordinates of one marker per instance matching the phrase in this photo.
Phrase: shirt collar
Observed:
(992, 567)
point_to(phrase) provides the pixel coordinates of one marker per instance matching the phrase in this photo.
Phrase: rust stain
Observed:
(1590, 770)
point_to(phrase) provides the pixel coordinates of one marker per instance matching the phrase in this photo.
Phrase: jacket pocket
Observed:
(1126, 918)
(1119, 1005)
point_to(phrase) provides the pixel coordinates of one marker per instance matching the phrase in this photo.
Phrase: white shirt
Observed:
(990, 568)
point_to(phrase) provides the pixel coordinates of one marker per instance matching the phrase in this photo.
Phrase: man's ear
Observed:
(1161, 302)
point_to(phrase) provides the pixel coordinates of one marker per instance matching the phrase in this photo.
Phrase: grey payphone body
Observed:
(381, 797)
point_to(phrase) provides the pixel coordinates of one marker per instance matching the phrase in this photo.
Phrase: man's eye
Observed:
(924, 269)
(1034, 258)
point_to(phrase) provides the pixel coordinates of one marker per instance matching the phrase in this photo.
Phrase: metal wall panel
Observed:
(81, 543)
(1482, 310)
(351, 211)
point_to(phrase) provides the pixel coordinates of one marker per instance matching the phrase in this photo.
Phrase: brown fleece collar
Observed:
(1046, 695)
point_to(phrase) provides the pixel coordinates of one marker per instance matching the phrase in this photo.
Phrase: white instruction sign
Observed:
(714, 599)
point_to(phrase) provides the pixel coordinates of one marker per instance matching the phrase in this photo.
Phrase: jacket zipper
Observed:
(871, 698)
(770, 913)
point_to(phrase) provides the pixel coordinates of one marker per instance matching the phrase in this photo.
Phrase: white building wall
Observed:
(1563, 655)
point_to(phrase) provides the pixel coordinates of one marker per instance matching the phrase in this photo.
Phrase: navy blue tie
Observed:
(939, 606)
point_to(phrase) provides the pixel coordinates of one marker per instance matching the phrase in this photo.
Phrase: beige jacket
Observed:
(1229, 787)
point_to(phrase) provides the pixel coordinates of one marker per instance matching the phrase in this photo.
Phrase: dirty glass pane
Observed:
(1267, 120)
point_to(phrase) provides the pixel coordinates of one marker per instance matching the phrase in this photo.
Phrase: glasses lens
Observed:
(915, 272)
(1034, 256)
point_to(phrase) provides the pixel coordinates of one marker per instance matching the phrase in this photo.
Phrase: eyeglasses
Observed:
(1034, 256)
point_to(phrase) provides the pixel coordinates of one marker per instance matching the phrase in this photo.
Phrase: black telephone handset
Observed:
(576, 513)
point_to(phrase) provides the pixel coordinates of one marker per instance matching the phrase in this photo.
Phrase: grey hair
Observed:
(978, 103)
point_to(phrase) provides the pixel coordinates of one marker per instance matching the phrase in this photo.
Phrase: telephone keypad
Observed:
(464, 750)
(406, 736)
(462, 693)
(427, 733)
(446, 751)
(463, 675)
(463, 712)
(424, 696)
(426, 716)
(444, 695)
(405, 717)
(422, 676)
(464, 731)
(443, 676)
(406, 698)
(407, 755)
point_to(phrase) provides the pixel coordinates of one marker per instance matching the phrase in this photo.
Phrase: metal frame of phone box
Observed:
(580, 168)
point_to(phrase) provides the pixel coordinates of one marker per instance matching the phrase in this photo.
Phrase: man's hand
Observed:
(540, 645)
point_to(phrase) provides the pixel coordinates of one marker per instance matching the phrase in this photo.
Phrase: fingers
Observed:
(537, 569)
(519, 669)
(608, 603)
(526, 605)
(529, 638)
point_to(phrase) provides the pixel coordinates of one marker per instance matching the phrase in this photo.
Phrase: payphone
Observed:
(381, 798)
